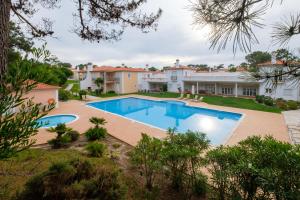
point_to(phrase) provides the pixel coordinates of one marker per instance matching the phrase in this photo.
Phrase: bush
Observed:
(281, 104)
(256, 168)
(292, 105)
(64, 95)
(146, 156)
(260, 98)
(77, 179)
(74, 135)
(96, 149)
(62, 139)
(269, 101)
(116, 145)
(96, 133)
(111, 92)
(82, 93)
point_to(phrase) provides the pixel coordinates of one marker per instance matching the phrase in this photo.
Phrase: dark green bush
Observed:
(96, 149)
(74, 135)
(64, 95)
(260, 98)
(75, 180)
(292, 105)
(60, 142)
(256, 168)
(96, 133)
(82, 93)
(268, 101)
(111, 92)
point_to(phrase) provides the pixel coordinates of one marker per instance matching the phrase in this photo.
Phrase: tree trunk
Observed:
(5, 6)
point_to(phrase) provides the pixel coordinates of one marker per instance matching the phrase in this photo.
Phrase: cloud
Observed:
(176, 37)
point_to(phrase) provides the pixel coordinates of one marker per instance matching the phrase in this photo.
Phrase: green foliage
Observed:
(284, 54)
(97, 121)
(77, 179)
(99, 82)
(260, 98)
(82, 93)
(111, 92)
(161, 95)
(74, 135)
(96, 133)
(18, 114)
(146, 156)
(292, 105)
(257, 57)
(256, 168)
(116, 145)
(183, 158)
(268, 101)
(64, 95)
(63, 138)
(96, 149)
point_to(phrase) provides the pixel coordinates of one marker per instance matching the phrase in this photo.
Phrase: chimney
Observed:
(177, 63)
(273, 61)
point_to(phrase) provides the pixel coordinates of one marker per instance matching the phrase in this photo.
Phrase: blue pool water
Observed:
(174, 114)
(52, 121)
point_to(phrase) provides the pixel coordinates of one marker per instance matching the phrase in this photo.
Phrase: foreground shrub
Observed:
(74, 135)
(82, 93)
(146, 156)
(281, 104)
(63, 138)
(268, 101)
(96, 149)
(256, 168)
(75, 180)
(64, 95)
(292, 105)
(96, 133)
(183, 158)
(260, 98)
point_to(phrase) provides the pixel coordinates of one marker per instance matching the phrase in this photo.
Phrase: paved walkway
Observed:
(253, 123)
(292, 119)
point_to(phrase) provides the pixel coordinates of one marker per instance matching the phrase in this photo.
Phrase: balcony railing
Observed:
(155, 79)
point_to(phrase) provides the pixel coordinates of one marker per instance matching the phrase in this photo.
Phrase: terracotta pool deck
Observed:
(252, 123)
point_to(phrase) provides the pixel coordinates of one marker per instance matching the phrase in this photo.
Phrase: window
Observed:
(129, 75)
(227, 91)
(268, 90)
(210, 89)
(249, 91)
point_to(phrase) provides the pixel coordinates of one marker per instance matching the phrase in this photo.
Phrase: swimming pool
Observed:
(54, 120)
(174, 114)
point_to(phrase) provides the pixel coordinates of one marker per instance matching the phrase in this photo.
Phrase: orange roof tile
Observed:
(269, 63)
(178, 68)
(42, 86)
(117, 69)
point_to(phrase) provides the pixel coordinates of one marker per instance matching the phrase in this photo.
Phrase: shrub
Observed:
(111, 92)
(96, 149)
(256, 168)
(62, 139)
(281, 104)
(146, 156)
(97, 121)
(269, 101)
(64, 95)
(77, 179)
(183, 158)
(96, 133)
(116, 145)
(82, 93)
(260, 98)
(74, 135)
(292, 105)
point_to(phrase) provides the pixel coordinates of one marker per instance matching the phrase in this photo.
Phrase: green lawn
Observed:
(161, 94)
(250, 104)
(72, 81)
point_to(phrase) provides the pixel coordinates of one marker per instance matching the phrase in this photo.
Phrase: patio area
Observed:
(253, 123)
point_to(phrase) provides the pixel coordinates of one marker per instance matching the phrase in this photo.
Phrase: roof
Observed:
(117, 69)
(179, 68)
(42, 86)
(270, 63)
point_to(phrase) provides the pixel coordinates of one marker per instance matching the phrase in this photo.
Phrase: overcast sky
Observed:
(176, 37)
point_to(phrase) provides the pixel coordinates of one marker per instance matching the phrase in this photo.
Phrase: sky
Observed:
(177, 37)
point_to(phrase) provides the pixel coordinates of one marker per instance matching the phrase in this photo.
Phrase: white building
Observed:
(239, 84)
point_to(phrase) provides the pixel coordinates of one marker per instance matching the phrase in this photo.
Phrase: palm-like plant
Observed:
(60, 129)
(97, 121)
(99, 81)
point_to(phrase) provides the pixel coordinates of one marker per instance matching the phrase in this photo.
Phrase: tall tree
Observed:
(96, 20)
(258, 57)
(284, 54)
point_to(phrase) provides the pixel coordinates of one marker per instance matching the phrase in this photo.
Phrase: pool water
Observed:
(174, 114)
(52, 121)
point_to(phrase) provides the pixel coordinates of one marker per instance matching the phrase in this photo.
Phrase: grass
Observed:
(161, 94)
(72, 82)
(250, 104)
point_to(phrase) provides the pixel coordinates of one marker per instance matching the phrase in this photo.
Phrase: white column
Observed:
(236, 90)
(216, 92)
(197, 92)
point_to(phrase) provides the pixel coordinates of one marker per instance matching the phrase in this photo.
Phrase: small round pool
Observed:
(54, 120)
